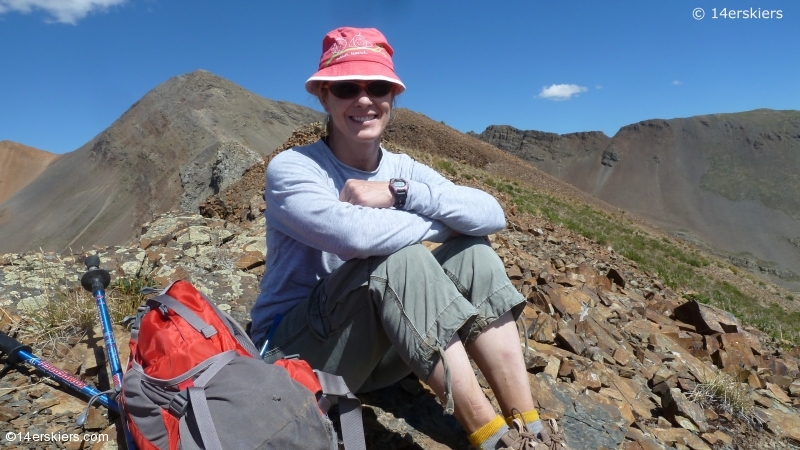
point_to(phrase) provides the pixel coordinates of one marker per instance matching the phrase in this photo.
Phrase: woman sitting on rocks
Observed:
(348, 285)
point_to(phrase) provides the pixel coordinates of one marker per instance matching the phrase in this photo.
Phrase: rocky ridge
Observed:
(545, 148)
(726, 179)
(612, 352)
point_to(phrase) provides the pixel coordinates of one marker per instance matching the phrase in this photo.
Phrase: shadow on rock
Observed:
(408, 416)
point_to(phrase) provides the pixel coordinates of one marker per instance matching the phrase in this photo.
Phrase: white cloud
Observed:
(676, 83)
(62, 11)
(599, 86)
(561, 91)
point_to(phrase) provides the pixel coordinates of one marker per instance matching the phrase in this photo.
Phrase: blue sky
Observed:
(69, 68)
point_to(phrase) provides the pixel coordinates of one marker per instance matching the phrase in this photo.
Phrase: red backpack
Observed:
(195, 381)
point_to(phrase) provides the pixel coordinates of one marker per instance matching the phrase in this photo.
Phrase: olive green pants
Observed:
(374, 320)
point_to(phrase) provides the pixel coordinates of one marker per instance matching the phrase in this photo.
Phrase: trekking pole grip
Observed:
(95, 278)
(11, 347)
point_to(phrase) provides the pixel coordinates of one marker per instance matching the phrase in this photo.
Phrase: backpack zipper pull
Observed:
(85, 414)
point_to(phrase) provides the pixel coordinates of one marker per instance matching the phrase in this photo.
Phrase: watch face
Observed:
(399, 183)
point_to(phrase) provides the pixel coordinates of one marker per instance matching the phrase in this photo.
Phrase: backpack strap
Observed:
(240, 334)
(187, 314)
(199, 404)
(137, 321)
(349, 409)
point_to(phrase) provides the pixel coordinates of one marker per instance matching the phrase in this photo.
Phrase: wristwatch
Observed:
(399, 189)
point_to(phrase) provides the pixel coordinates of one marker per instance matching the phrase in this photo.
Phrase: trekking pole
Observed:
(271, 333)
(96, 280)
(17, 353)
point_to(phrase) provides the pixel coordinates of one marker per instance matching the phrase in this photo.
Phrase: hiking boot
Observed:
(552, 436)
(519, 438)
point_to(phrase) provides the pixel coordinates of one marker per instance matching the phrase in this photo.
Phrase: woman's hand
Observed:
(373, 194)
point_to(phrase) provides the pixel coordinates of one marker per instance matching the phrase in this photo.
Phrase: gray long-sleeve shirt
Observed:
(310, 232)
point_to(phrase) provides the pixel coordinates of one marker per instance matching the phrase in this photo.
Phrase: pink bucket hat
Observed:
(355, 54)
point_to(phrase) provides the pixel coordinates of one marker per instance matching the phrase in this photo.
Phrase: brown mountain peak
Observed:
(183, 141)
(19, 165)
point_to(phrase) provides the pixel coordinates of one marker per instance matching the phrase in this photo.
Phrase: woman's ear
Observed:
(322, 95)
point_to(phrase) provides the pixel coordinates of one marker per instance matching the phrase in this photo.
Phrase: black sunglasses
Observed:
(349, 89)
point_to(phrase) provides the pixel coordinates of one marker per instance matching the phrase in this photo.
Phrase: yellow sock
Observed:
(531, 419)
(478, 438)
(528, 417)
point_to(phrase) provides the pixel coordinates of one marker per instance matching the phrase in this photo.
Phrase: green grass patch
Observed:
(446, 166)
(124, 296)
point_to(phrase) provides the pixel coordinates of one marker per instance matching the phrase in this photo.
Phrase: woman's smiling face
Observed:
(358, 120)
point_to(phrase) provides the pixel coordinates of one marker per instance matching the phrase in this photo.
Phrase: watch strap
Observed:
(400, 193)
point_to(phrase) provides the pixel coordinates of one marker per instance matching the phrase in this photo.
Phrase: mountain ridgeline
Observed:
(183, 141)
(729, 180)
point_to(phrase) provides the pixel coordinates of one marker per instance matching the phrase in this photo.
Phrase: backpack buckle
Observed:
(164, 311)
(149, 290)
(140, 312)
(179, 404)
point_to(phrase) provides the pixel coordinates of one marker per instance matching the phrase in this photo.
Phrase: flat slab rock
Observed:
(782, 424)
(707, 319)
(587, 424)
(591, 426)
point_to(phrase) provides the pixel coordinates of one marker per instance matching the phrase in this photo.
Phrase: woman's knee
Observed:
(413, 254)
(414, 250)
(473, 247)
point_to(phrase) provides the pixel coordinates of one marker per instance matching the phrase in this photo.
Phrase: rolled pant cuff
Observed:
(456, 315)
(495, 305)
